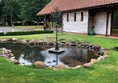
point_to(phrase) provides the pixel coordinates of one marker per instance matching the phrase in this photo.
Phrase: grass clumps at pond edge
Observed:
(103, 72)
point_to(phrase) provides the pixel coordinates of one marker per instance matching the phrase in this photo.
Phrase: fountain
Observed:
(56, 51)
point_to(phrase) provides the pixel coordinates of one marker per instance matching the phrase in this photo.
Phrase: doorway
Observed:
(115, 22)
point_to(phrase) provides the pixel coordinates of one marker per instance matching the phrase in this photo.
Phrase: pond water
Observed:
(26, 54)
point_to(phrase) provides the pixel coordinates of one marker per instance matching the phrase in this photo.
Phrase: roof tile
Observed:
(65, 5)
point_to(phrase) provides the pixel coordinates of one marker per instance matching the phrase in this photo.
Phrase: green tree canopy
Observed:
(23, 10)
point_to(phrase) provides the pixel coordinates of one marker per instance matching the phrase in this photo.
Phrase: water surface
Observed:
(26, 54)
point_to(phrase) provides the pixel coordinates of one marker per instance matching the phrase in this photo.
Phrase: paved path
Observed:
(12, 29)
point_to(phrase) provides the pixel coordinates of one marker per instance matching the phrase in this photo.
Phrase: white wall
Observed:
(109, 24)
(100, 23)
(78, 26)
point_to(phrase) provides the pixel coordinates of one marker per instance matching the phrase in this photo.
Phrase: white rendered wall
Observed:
(78, 26)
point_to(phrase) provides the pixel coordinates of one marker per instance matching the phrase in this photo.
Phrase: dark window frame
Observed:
(75, 17)
(82, 16)
(67, 17)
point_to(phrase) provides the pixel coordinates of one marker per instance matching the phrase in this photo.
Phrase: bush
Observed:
(26, 22)
(25, 33)
(1, 33)
(17, 23)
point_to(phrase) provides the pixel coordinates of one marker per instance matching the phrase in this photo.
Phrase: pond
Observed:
(27, 54)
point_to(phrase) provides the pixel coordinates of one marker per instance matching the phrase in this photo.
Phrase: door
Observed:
(115, 22)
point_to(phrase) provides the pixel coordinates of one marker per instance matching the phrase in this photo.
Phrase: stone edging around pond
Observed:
(102, 53)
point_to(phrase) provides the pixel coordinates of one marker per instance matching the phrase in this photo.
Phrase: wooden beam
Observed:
(45, 23)
(107, 23)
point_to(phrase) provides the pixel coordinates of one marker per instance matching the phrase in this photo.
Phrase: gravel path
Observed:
(12, 29)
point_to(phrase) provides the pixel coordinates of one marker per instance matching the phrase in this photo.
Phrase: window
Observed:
(74, 17)
(67, 17)
(82, 17)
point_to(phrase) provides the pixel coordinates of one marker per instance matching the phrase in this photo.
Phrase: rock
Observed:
(10, 39)
(3, 40)
(52, 68)
(13, 60)
(87, 65)
(32, 42)
(73, 44)
(84, 45)
(50, 43)
(90, 46)
(42, 43)
(78, 66)
(101, 52)
(105, 56)
(23, 41)
(61, 66)
(100, 58)
(95, 47)
(5, 50)
(115, 48)
(93, 61)
(14, 39)
(39, 64)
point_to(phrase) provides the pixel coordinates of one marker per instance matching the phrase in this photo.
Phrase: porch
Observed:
(104, 20)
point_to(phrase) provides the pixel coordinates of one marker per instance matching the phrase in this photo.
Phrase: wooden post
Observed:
(45, 23)
(107, 23)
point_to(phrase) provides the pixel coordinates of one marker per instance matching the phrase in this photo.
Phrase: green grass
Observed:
(102, 72)
(29, 27)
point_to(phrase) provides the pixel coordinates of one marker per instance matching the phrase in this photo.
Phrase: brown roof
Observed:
(66, 5)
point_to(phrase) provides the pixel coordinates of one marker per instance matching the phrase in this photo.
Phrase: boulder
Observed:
(50, 43)
(96, 47)
(23, 41)
(101, 52)
(52, 68)
(39, 64)
(61, 66)
(115, 48)
(3, 40)
(87, 65)
(14, 39)
(13, 60)
(93, 61)
(100, 58)
(78, 66)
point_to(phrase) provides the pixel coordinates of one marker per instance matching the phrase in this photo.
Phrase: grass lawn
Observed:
(30, 27)
(102, 72)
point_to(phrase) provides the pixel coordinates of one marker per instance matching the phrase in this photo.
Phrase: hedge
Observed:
(25, 33)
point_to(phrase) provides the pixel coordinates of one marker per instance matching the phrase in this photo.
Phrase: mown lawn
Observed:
(102, 72)
(30, 27)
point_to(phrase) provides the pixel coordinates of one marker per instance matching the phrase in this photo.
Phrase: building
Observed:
(80, 15)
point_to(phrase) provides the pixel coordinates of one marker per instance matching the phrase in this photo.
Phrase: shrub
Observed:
(25, 33)
(1, 34)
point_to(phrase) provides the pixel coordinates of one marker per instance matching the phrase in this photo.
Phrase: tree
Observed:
(23, 10)
(30, 8)
(9, 9)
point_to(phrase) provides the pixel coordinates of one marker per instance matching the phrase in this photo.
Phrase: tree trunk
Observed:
(11, 20)
(38, 21)
(3, 22)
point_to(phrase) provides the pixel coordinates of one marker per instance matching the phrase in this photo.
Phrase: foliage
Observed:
(26, 33)
(20, 10)
(9, 9)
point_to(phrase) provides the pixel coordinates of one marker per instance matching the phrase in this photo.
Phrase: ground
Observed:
(20, 28)
(105, 71)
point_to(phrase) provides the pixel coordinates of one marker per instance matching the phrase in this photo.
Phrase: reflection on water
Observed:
(27, 54)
